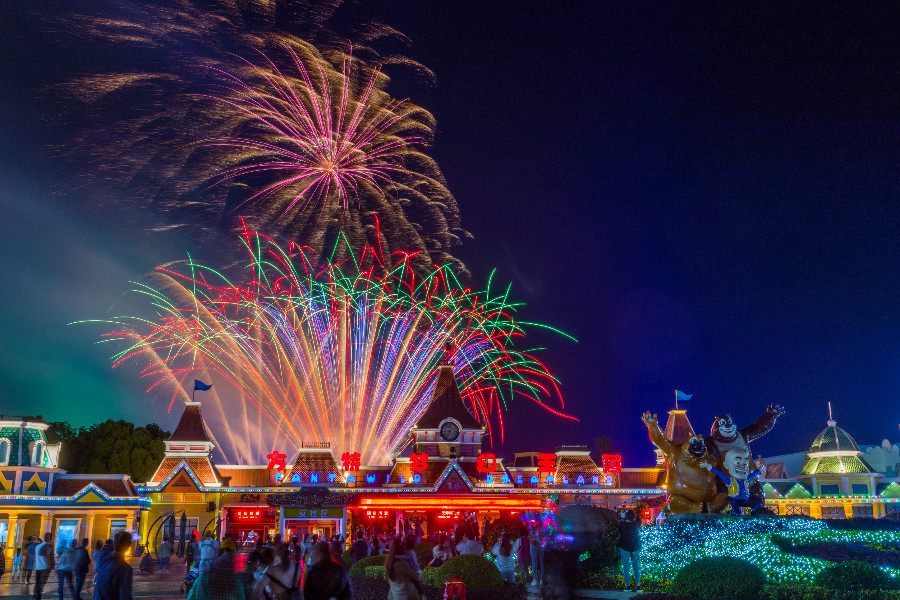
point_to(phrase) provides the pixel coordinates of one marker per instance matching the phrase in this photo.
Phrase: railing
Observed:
(318, 445)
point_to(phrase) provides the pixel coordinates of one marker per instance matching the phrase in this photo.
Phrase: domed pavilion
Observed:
(836, 471)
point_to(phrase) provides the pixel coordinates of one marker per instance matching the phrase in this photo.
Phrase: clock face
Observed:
(449, 431)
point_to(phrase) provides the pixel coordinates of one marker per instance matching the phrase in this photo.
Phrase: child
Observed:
(17, 563)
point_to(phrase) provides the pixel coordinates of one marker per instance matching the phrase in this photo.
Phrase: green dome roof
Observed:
(833, 438)
(834, 452)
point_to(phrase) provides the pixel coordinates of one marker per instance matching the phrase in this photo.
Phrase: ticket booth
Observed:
(301, 521)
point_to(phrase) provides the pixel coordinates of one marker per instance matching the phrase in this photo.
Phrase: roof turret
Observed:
(446, 402)
(191, 427)
(834, 452)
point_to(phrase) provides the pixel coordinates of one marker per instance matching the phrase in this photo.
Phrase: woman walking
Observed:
(506, 552)
(406, 583)
(282, 580)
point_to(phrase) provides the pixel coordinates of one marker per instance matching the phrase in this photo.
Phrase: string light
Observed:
(668, 547)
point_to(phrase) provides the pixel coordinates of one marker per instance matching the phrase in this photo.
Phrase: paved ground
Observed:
(145, 586)
(534, 593)
(168, 586)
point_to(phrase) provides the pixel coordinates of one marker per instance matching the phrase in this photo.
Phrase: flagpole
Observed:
(676, 399)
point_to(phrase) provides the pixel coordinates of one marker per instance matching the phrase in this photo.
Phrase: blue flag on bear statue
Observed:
(199, 385)
(682, 396)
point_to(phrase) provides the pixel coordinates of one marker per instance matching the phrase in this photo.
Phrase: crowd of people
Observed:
(277, 569)
(274, 570)
(72, 562)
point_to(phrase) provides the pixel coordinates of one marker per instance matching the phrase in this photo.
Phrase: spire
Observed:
(831, 421)
(446, 401)
(191, 427)
(678, 428)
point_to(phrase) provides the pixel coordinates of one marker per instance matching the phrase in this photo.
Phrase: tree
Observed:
(111, 447)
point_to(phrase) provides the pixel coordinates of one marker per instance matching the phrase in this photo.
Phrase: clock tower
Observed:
(447, 428)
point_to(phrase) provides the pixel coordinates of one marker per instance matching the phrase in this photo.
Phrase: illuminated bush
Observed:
(347, 558)
(669, 547)
(476, 571)
(376, 572)
(717, 578)
(854, 575)
(359, 567)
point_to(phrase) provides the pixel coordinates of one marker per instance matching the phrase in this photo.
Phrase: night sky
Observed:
(706, 198)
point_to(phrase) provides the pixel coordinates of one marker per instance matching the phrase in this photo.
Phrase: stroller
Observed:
(189, 579)
(146, 566)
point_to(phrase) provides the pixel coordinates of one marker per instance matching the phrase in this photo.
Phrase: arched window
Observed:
(37, 454)
(4, 452)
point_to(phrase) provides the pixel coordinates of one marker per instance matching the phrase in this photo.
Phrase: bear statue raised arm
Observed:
(690, 488)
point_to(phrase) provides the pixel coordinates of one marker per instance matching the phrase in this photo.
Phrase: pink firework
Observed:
(323, 140)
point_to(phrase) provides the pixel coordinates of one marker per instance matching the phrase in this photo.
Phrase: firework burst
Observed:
(330, 143)
(137, 127)
(322, 351)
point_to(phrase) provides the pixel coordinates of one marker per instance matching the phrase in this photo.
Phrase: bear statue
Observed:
(690, 487)
(724, 436)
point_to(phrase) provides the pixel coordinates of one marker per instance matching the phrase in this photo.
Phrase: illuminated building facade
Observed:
(442, 475)
(834, 481)
(36, 497)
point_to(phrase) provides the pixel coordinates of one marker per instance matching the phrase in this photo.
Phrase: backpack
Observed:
(455, 589)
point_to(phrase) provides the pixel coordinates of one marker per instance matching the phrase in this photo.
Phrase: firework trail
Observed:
(136, 127)
(322, 351)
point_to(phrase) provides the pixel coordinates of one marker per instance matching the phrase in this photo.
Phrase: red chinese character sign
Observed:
(418, 462)
(276, 461)
(612, 463)
(351, 461)
(487, 463)
(546, 463)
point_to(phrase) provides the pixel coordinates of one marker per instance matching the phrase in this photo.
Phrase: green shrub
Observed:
(604, 579)
(376, 572)
(794, 591)
(854, 575)
(359, 568)
(801, 591)
(369, 588)
(476, 571)
(509, 591)
(424, 552)
(720, 577)
(346, 558)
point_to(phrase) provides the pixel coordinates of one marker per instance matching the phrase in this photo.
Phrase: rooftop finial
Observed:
(448, 352)
(831, 421)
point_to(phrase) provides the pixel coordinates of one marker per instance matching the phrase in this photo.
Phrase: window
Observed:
(193, 524)
(796, 510)
(862, 510)
(37, 454)
(4, 452)
(860, 489)
(115, 526)
(833, 512)
(829, 489)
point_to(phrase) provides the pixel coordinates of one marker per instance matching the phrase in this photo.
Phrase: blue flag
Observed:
(199, 385)
(682, 395)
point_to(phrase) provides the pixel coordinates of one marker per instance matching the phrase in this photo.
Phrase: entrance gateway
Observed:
(324, 521)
